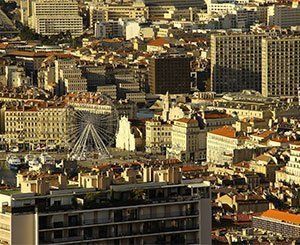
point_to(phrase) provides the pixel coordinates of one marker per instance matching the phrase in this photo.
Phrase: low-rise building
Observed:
(278, 222)
(221, 144)
(158, 136)
(244, 203)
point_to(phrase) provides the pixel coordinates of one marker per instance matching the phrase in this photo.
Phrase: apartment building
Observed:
(110, 90)
(281, 66)
(216, 119)
(188, 141)
(221, 144)
(108, 29)
(278, 222)
(72, 80)
(99, 104)
(181, 4)
(29, 126)
(283, 15)
(236, 62)
(69, 77)
(158, 136)
(170, 74)
(107, 12)
(51, 17)
(291, 172)
(160, 208)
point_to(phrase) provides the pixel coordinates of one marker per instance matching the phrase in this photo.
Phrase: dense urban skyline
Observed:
(141, 122)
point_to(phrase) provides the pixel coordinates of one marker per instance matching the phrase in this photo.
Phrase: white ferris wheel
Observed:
(91, 134)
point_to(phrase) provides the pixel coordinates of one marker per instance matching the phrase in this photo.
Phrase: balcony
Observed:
(118, 220)
(13, 210)
(126, 235)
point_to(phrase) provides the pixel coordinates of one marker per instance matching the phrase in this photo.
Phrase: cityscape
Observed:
(149, 122)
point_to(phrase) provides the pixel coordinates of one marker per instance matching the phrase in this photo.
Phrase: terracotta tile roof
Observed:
(187, 120)
(158, 42)
(282, 216)
(29, 54)
(226, 131)
(216, 115)
(192, 168)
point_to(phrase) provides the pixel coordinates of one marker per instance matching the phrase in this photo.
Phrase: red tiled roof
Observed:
(187, 120)
(216, 115)
(282, 216)
(226, 131)
(158, 42)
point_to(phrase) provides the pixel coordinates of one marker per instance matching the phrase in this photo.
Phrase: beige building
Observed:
(281, 66)
(188, 141)
(29, 126)
(68, 76)
(158, 136)
(158, 209)
(240, 203)
(99, 12)
(235, 62)
(110, 90)
(221, 144)
(266, 165)
(99, 104)
(284, 15)
(291, 173)
(51, 17)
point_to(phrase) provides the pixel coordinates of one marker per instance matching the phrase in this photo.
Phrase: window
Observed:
(57, 234)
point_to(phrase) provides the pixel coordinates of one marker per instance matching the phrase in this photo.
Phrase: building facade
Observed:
(27, 127)
(51, 17)
(170, 74)
(281, 67)
(158, 136)
(235, 62)
(163, 210)
(188, 141)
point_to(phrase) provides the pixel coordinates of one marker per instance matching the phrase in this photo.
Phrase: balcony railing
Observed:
(122, 235)
(120, 219)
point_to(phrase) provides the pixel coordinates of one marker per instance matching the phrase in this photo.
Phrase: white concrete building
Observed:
(291, 173)
(188, 141)
(283, 15)
(109, 29)
(221, 144)
(51, 17)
